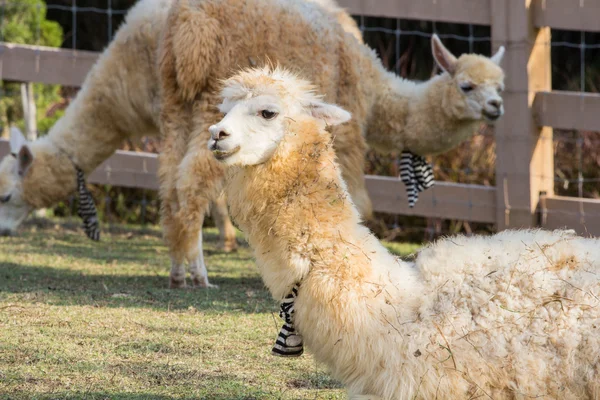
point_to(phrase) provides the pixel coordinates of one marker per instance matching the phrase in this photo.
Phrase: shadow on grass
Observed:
(136, 246)
(66, 287)
(157, 377)
(128, 396)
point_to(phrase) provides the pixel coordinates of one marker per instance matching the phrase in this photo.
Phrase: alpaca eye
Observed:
(466, 87)
(5, 199)
(266, 114)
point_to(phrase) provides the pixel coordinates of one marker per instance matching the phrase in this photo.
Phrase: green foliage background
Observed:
(25, 22)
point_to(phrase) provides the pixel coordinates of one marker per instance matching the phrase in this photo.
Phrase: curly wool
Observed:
(119, 100)
(510, 316)
(209, 40)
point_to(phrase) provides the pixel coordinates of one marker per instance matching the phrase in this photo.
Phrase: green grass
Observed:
(84, 320)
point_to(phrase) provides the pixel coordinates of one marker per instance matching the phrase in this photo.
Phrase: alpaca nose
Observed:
(217, 133)
(495, 103)
(222, 135)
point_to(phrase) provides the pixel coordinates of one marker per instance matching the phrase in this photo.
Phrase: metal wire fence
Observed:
(404, 47)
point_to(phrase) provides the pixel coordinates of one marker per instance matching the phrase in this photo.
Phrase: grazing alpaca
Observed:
(206, 40)
(119, 100)
(512, 316)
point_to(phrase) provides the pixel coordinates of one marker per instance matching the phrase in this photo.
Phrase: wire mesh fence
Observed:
(403, 46)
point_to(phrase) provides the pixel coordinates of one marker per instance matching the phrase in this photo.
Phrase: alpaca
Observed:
(511, 316)
(119, 100)
(206, 40)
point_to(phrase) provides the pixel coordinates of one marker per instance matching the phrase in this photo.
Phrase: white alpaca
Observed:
(512, 316)
(207, 40)
(119, 100)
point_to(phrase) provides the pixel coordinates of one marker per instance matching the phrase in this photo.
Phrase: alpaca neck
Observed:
(292, 208)
(118, 101)
(424, 118)
(83, 138)
(91, 129)
(51, 177)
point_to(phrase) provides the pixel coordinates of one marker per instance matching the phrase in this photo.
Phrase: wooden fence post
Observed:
(524, 151)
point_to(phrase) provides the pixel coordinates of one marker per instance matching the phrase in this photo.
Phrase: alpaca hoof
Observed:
(177, 284)
(227, 246)
(203, 284)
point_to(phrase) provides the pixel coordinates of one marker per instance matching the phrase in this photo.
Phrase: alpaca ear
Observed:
(24, 158)
(17, 140)
(497, 58)
(330, 113)
(20, 150)
(442, 55)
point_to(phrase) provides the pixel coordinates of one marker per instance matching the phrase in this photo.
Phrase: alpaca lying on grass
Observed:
(207, 40)
(512, 316)
(119, 100)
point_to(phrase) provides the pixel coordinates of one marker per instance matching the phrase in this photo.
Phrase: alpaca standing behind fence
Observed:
(119, 100)
(208, 40)
(515, 315)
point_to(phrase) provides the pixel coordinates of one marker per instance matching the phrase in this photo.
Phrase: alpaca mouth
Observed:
(221, 155)
(491, 116)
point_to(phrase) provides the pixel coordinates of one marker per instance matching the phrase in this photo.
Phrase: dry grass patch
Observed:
(83, 320)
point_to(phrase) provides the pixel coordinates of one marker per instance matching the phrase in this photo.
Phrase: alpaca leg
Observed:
(183, 234)
(198, 271)
(190, 178)
(227, 231)
(199, 179)
(177, 277)
(171, 230)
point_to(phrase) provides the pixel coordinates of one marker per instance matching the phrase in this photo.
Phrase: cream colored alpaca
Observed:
(512, 316)
(119, 100)
(207, 40)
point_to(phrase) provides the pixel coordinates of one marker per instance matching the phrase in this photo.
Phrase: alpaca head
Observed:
(258, 105)
(476, 84)
(14, 167)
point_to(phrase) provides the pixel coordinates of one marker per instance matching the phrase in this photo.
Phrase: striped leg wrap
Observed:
(416, 174)
(87, 209)
(289, 342)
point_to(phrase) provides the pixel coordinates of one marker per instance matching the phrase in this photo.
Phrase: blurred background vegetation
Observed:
(25, 22)
(404, 47)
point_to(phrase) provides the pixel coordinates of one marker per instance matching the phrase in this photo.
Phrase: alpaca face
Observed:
(13, 208)
(250, 131)
(477, 83)
(258, 104)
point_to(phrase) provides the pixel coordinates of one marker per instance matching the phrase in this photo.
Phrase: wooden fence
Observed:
(524, 165)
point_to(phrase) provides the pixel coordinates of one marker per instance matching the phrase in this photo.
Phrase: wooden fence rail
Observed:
(44, 64)
(446, 200)
(524, 167)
